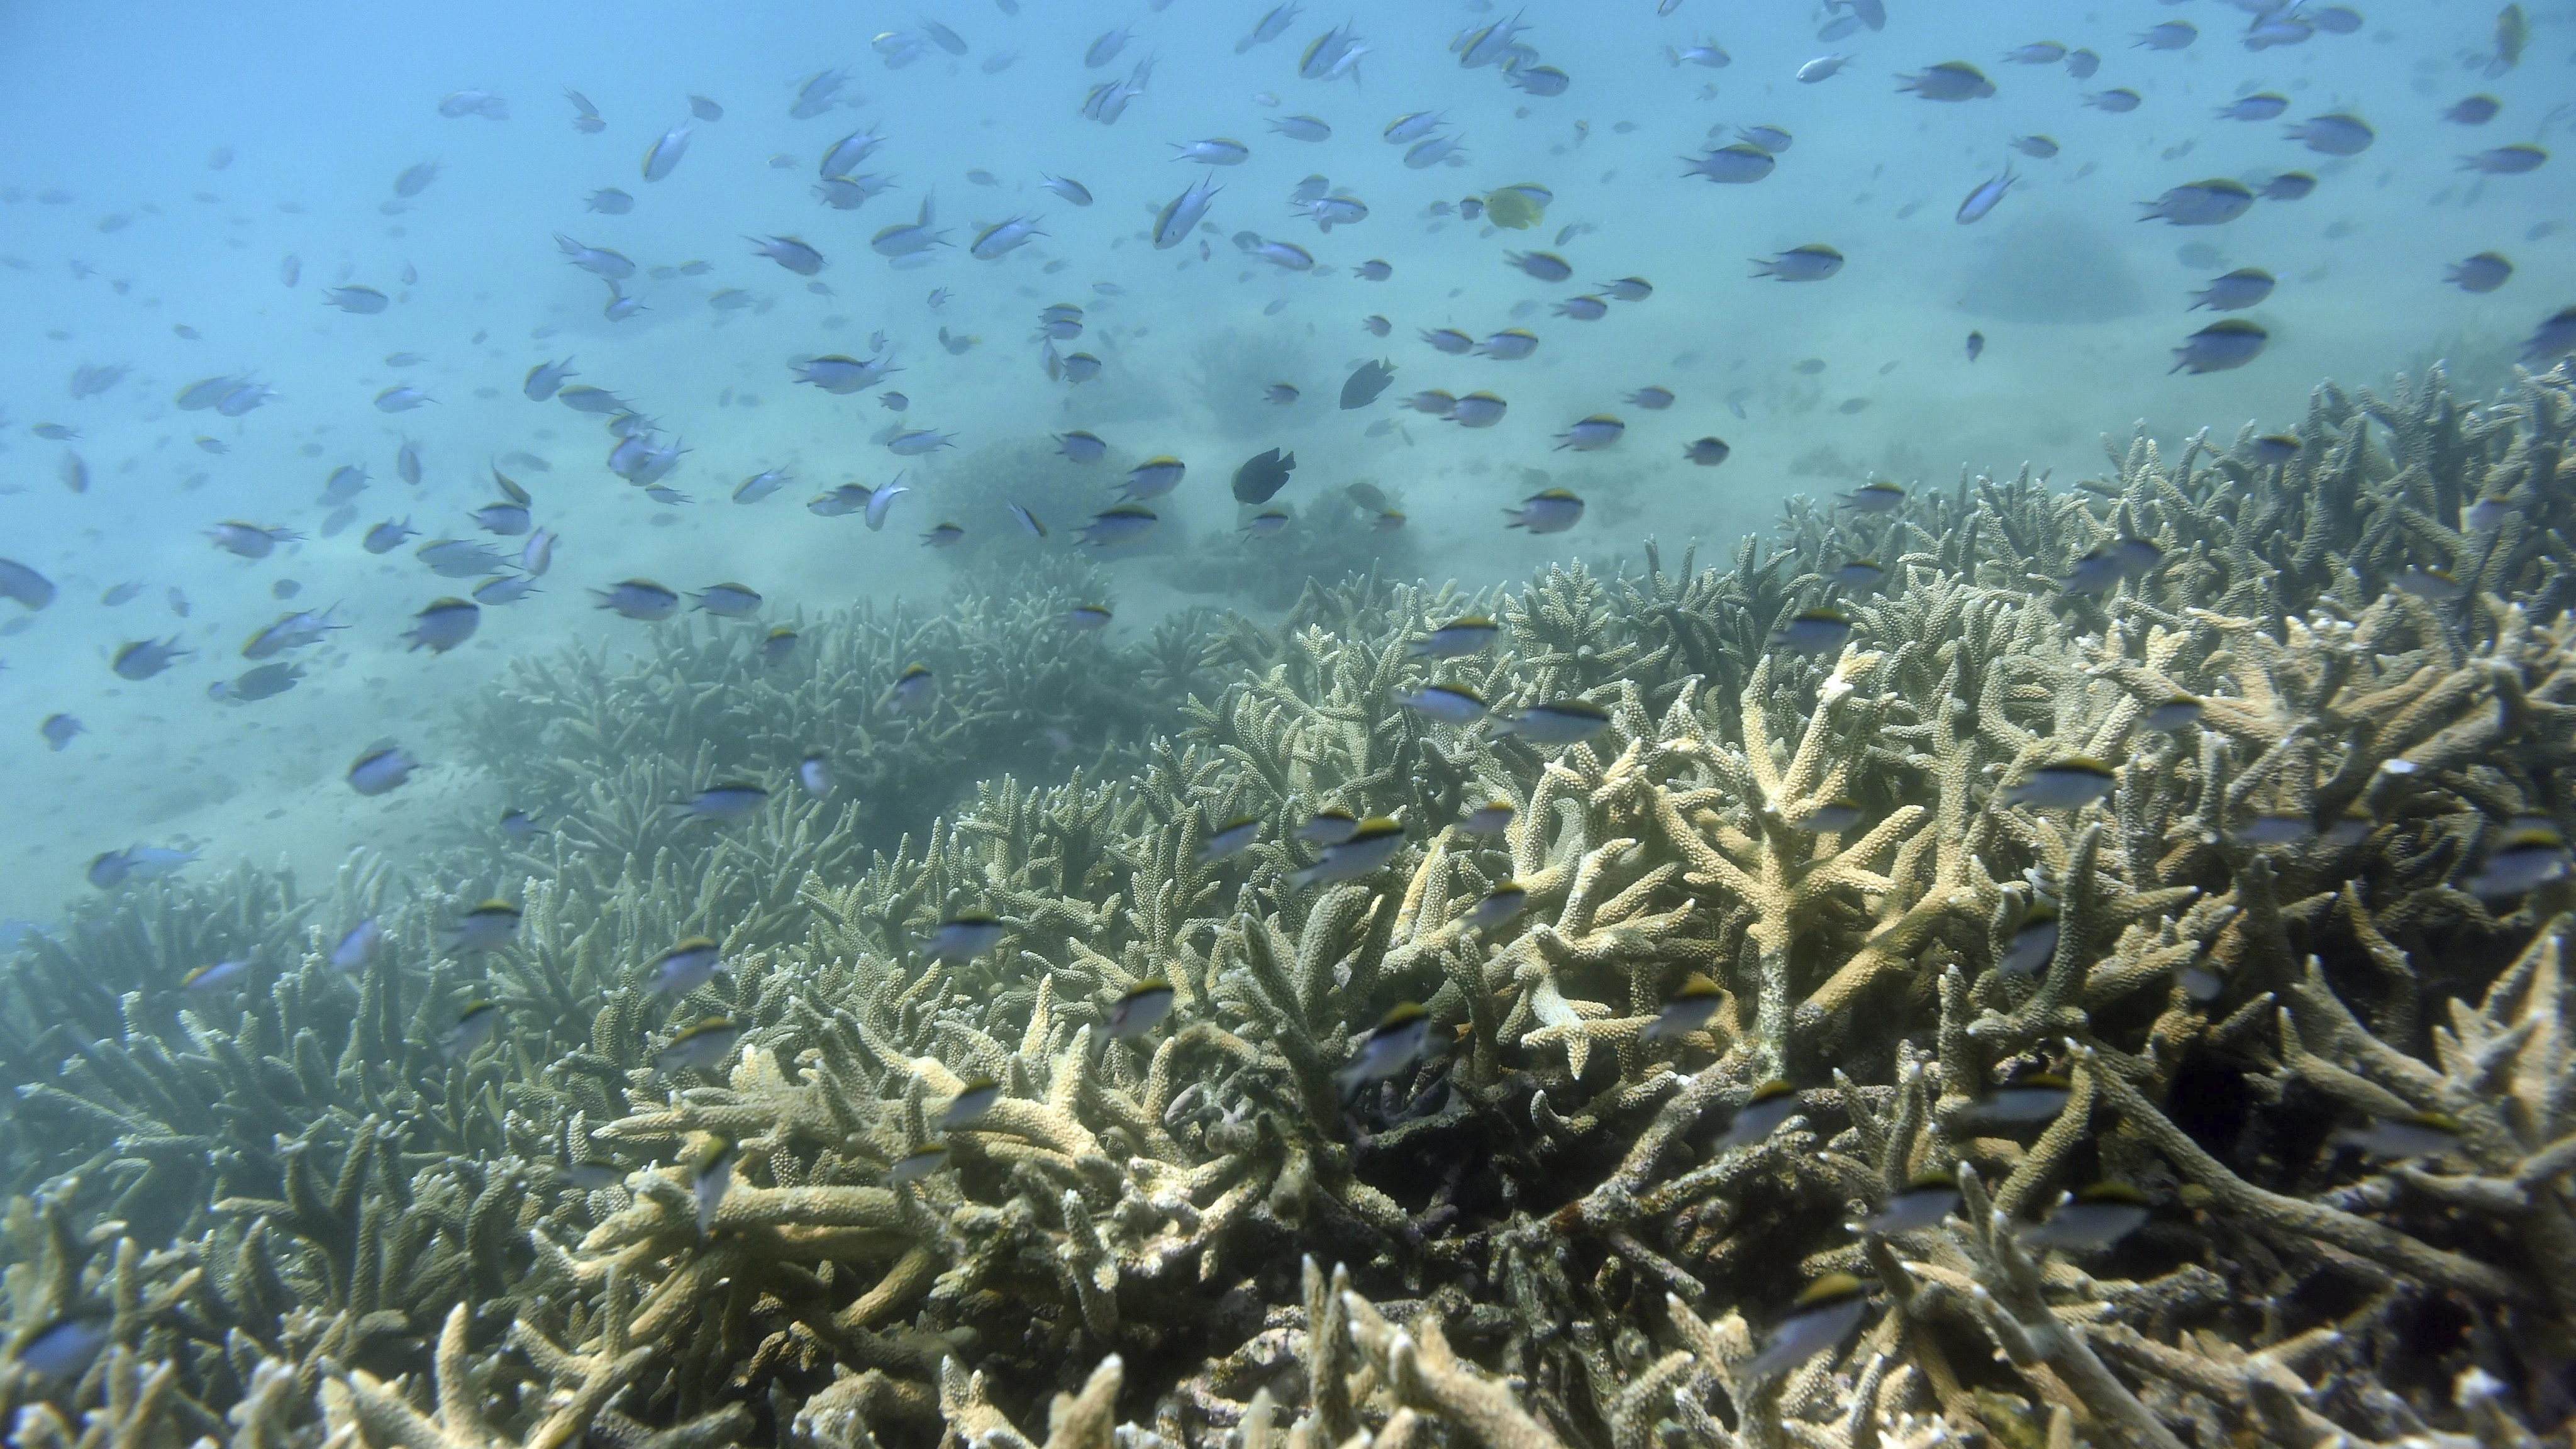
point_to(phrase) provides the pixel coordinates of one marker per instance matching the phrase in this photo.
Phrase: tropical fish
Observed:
(1183, 213)
(2531, 854)
(710, 1167)
(1390, 1049)
(1985, 198)
(1685, 1011)
(973, 1101)
(1925, 1202)
(1362, 388)
(2091, 1218)
(789, 252)
(2239, 289)
(723, 804)
(2334, 134)
(1369, 846)
(963, 936)
(2481, 273)
(914, 1166)
(145, 658)
(1592, 434)
(2510, 160)
(474, 1026)
(2201, 203)
(487, 927)
(2178, 713)
(1552, 510)
(2512, 33)
(1736, 165)
(358, 945)
(1555, 724)
(2068, 782)
(2033, 942)
(1810, 263)
(64, 1349)
(2030, 1097)
(1951, 80)
(1263, 475)
(663, 156)
(2415, 1134)
(2219, 347)
(704, 1046)
(1450, 703)
(1139, 1010)
(1812, 631)
(1464, 635)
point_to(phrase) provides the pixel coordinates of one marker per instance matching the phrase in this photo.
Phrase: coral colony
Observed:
(2041, 968)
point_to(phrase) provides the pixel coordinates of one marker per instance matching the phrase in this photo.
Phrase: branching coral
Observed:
(2271, 995)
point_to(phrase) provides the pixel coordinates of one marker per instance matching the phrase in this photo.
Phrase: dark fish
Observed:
(1264, 474)
(1359, 392)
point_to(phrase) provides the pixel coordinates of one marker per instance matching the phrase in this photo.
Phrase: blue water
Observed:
(165, 161)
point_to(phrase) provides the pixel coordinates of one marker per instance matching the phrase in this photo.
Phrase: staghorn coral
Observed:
(2271, 944)
(615, 742)
(1326, 536)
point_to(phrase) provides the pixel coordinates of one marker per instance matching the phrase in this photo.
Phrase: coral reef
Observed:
(596, 746)
(977, 492)
(2228, 1098)
(1326, 536)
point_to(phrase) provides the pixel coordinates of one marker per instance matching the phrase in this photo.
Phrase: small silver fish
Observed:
(2030, 1097)
(1823, 1315)
(2092, 1218)
(685, 967)
(2068, 783)
(1464, 635)
(474, 1026)
(918, 1165)
(723, 804)
(1230, 839)
(1926, 1203)
(963, 936)
(1555, 724)
(488, 927)
(710, 1177)
(1553, 510)
(2033, 943)
(971, 1103)
(1772, 1103)
(703, 1047)
(1391, 1048)
(1449, 703)
(1685, 1011)
(2420, 1134)
(1140, 1010)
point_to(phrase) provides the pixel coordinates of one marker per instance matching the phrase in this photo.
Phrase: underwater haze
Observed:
(1201, 724)
(162, 184)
